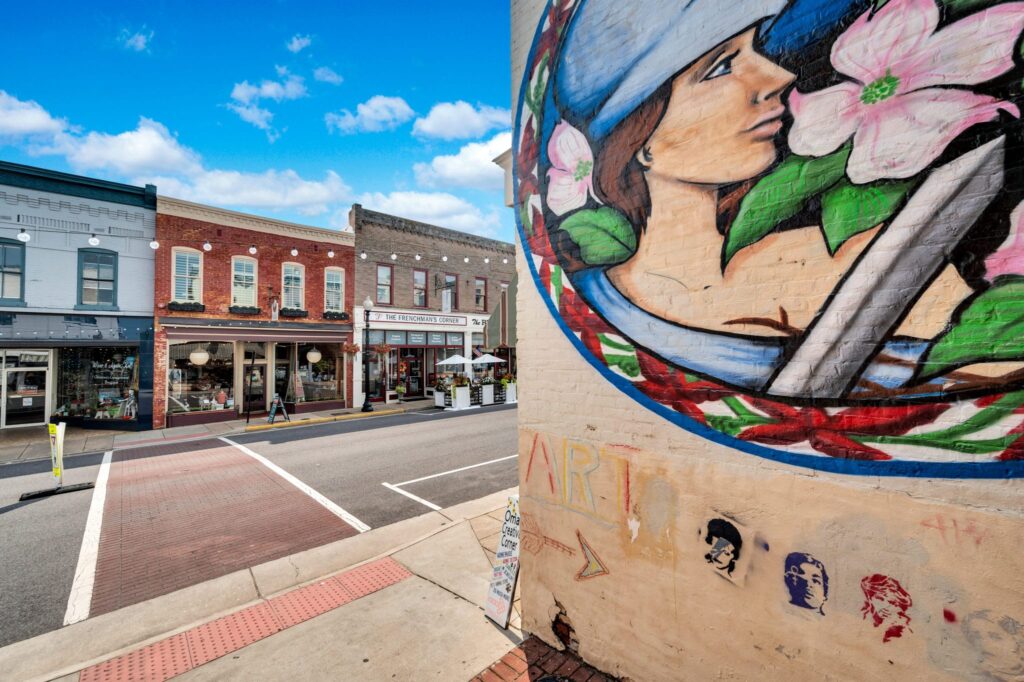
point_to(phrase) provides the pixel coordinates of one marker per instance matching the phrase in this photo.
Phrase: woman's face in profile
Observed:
(722, 117)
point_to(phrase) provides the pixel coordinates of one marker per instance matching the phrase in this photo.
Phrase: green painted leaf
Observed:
(629, 365)
(607, 341)
(604, 235)
(848, 209)
(990, 329)
(524, 216)
(782, 194)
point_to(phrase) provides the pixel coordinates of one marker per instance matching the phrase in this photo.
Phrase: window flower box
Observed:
(294, 312)
(186, 307)
(332, 315)
(244, 310)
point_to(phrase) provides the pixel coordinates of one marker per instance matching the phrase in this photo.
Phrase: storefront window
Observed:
(283, 360)
(200, 376)
(320, 379)
(97, 383)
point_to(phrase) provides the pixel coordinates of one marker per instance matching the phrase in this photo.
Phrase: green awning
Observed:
(501, 325)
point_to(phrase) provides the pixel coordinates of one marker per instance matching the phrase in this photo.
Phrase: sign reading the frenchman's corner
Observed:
(506, 572)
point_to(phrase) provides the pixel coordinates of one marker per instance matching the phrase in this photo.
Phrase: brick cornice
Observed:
(245, 221)
(359, 215)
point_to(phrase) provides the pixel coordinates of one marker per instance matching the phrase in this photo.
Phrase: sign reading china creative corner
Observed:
(417, 318)
(505, 573)
(814, 260)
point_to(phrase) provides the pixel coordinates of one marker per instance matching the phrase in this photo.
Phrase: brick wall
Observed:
(273, 250)
(379, 235)
(681, 519)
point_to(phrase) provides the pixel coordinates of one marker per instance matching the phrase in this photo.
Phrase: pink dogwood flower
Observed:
(898, 104)
(570, 179)
(1008, 259)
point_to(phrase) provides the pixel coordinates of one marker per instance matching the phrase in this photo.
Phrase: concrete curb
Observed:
(69, 649)
(324, 420)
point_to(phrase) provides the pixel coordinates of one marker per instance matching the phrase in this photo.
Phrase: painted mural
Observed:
(795, 227)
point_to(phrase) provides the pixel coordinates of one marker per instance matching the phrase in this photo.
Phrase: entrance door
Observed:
(255, 387)
(413, 358)
(24, 399)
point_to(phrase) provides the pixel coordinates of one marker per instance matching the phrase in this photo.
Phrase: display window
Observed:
(320, 372)
(200, 376)
(97, 383)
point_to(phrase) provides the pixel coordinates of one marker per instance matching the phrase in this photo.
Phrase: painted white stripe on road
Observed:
(80, 598)
(331, 506)
(398, 490)
(455, 471)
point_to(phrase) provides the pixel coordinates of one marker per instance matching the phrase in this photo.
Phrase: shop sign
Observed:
(417, 338)
(436, 338)
(417, 318)
(505, 573)
(396, 338)
(455, 339)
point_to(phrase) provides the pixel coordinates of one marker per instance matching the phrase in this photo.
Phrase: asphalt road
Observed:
(347, 462)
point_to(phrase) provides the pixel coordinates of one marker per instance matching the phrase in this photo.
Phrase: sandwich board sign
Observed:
(56, 432)
(505, 574)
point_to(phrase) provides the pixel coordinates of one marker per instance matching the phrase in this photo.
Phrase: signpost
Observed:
(506, 573)
(56, 436)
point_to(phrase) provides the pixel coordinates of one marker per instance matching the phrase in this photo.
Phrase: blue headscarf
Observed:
(616, 53)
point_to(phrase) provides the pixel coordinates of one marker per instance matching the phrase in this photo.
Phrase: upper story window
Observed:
(480, 293)
(97, 277)
(334, 290)
(188, 275)
(293, 285)
(12, 271)
(419, 288)
(384, 282)
(451, 283)
(243, 281)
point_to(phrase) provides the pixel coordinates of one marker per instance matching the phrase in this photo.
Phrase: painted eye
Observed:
(722, 68)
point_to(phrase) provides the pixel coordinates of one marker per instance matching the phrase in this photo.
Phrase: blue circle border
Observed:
(952, 470)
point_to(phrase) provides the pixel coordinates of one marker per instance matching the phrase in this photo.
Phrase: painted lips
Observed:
(769, 124)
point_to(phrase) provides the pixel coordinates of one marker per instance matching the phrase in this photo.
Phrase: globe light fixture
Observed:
(444, 258)
(24, 236)
(487, 260)
(252, 249)
(330, 253)
(466, 259)
(207, 246)
(313, 355)
(505, 261)
(154, 245)
(199, 357)
(394, 256)
(363, 255)
(94, 240)
(295, 252)
(418, 257)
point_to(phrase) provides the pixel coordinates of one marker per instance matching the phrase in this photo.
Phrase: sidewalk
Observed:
(28, 443)
(400, 602)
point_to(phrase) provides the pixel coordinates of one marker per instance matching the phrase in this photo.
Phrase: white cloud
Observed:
(138, 41)
(19, 118)
(150, 148)
(461, 120)
(247, 96)
(272, 189)
(436, 208)
(151, 153)
(374, 115)
(472, 167)
(298, 43)
(326, 74)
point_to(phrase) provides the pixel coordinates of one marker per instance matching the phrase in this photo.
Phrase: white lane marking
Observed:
(331, 507)
(80, 598)
(398, 490)
(455, 471)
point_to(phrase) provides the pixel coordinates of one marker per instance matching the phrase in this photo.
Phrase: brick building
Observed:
(433, 291)
(248, 307)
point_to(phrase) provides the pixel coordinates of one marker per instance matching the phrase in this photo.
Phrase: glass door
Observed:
(24, 400)
(413, 359)
(255, 387)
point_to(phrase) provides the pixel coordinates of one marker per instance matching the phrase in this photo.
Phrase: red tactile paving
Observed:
(204, 643)
(184, 513)
(308, 602)
(534, 660)
(372, 577)
(154, 663)
(230, 633)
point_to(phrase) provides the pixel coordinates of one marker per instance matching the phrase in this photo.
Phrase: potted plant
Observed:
(487, 390)
(441, 393)
(400, 390)
(460, 393)
(509, 382)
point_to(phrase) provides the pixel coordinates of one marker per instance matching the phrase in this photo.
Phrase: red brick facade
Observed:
(273, 249)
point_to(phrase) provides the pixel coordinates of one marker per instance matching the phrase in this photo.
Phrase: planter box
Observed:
(243, 310)
(510, 394)
(294, 312)
(461, 401)
(487, 394)
(439, 398)
(331, 315)
(183, 307)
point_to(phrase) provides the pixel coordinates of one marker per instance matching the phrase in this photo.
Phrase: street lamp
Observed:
(367, 307)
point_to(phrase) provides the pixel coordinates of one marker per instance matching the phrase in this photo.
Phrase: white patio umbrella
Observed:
(487, 359)
(454, 360)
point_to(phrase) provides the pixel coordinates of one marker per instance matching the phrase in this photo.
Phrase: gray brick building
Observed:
(433, 291)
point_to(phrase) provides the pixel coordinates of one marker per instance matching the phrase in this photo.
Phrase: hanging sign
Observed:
(504, 575)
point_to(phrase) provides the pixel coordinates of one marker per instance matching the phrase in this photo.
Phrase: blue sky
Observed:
(288, 109)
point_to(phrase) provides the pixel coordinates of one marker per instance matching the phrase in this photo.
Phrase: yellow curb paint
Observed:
(321, 420)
